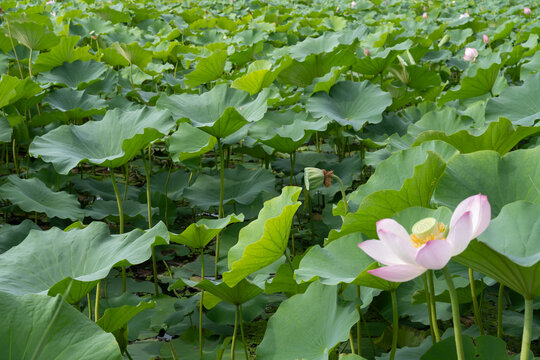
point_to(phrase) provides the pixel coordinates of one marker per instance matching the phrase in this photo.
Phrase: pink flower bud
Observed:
(424, 7)
(424, 15)
(470, 54)
(485, 38)
(366, 52)
(527, 11)
(353, 4)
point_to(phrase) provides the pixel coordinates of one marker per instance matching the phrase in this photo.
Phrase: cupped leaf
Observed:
(350, 103)
(509, 250)
(66, 50)
(308, 326)
(49, 328)
(514, 176)
(260, 75)
(76, 75)
(13, 235)
(236, 295)
(207, 69)
(33, 195)
(199, 234)
(33, 35)
(188, 142)
(110, 142)
(48, 261)
(264, 240)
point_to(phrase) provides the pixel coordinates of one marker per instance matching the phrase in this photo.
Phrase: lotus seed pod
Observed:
(313, 178)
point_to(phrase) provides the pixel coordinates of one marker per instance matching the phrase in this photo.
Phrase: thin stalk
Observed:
(13, 47)
(476, 309)
(242, 331)
(129, 356)
(395, 324)
(166, 198)
(358, 324)
(221, 192)
(149, 209)
(527, 330)
(173, 353)
(126, 172)
(96, 305)
(428, 303)
(500, 306)
(293, 161)
(131, 73)
(433, 305)
(351, 342)
(171, 276)
(343, 195)
(121, 215)
(234, 332)
(30, 64)
(89, 306)
(201, 307)
(14, 146)
(455, 313)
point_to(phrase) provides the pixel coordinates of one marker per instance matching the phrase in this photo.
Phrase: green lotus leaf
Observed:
(87, 255)
(33, 195)
(111, 142)
(350, 103)
(260, 75)
(505, 179)
(199, 234)
(208, 69)
(325, 83)
(76, 104)
(484, 81)
(226, 110)
(517, 103)
(295, 333)
(500, 136)
(5, 130)
(241, 186)
(508, 251)
(8, 86)
(188, 142)
(101, 209)
(322, 44)
(132, 54)
(65, 51)
(49, 328)
(102, 189)
(264, 240)
(13, 235)
(483, 347)
(33, 35)
(76, 75)
(236, 295)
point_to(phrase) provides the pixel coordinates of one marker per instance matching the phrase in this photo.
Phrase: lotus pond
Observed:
(270, 179)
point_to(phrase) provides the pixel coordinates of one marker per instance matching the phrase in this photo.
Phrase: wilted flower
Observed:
(464, 15)
(353, 4)
(424, 15)
(470, 54)
(431, 244)
(485, 38)
(527, 11)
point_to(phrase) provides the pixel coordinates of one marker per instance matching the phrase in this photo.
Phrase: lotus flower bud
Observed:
(470, 54)
(353, 4)
(313, 178)
(444, 40)
(527, 11)
(485, 38)
(464, 15)
(366, 52)
(425, 15)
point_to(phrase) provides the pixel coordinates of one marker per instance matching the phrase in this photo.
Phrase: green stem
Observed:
(476, 309)
(96, 305)
(343, 195)
(241, 319)
(433, 305)
(121, 215)
(395, 324)
(30, 64)
(234, 332)
(527, 330)
(89, 306)
(293, 161)
(166, 196)
(201, 307)
(351, 342)
(147, 170)
(173, 353)
(428, 303)
(358, 324)
(221, 192)
(455, 313)
(500, 306)
(126, 172)
(13, 47)
(15, 152)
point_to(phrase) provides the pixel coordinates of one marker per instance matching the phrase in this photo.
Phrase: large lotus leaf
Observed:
(500, 136)
(33, 195)
(110, 142)
(241, 186)
(220, 111)
(341, 261)
(8, 86)
(482, 82)
(66, 50)
(5, 130)
(199, 234)
(308, 326)
(483, 347)
(37, 326)
(33, 35)
(13, 235)
(207, 69)
(133, 54)
(386, 176)
(76, 104)
(350, 103)
(188, 142)
(236, 295)
(509, 250)
(76, 75)
(264, 240)
(48, 261)
(514, 176)
(323, 44)
(103, 189)
(260, 75)
(416, 191)
(100, 209)
(518, 103)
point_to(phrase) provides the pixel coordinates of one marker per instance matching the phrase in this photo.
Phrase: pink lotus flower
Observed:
(470, 54)
(464, 15)
(353, 4)
(527, 11)
(430, 246)
(425, 15)
(366, 52)
(50, 2)
(485, 39)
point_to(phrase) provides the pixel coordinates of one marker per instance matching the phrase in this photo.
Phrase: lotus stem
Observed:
(476, 309)
(30, 64)
(89, 306)
(395, 324)
(241, 319)
(96, 305)
(455, 313)
(234, 332)
(293, 161)
(166, 196)
(14, 148)
(147, 170)
(527, 330)
(13, 47)
(500, 306)
(343, 195)
(433, 306)
(201, 307)
(430, 313)
(221, 193)
(351, 341)
(121, 215)
(358, 324)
